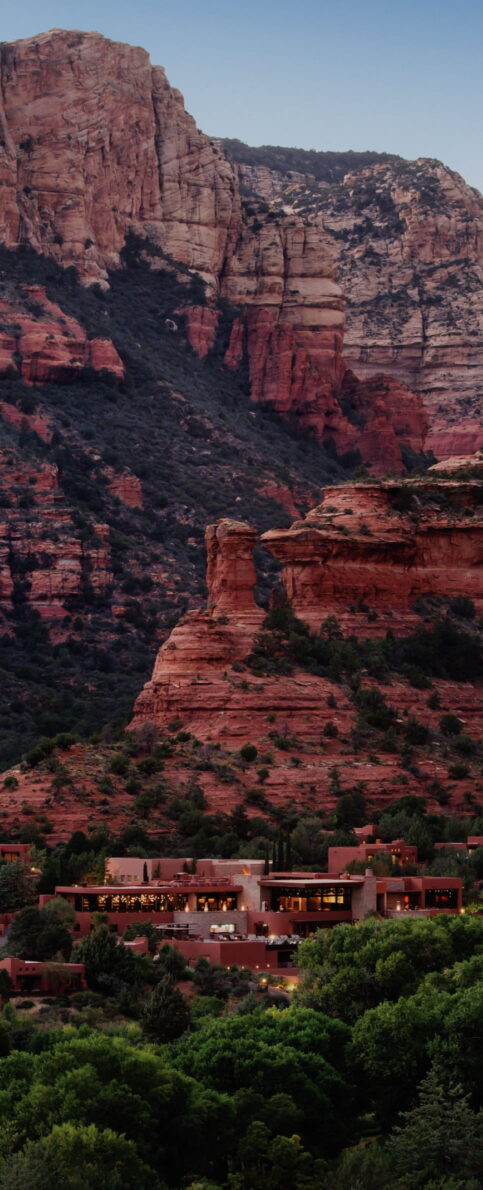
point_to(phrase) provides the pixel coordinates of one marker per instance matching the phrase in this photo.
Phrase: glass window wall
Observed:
(148, 902)
(321, 899)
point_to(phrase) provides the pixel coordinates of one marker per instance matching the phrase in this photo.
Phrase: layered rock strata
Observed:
(205, 644)
(377, 548)
(44, 559)
(40, 344)
(408, 244)
(388, 544)
(96, 144)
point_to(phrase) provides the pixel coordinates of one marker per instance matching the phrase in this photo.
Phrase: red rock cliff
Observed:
(378, 548)
(40, 344)
(43, 557)
(384, 544)
(407, 241)
(95, 144)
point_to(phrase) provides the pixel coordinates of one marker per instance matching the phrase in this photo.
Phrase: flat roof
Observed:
(309, 881)
(161, 886)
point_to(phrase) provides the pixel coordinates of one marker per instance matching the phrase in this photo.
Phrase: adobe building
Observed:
(12, 853)
(339, 858)
(472, 843)
(232, 911)
(32, 978)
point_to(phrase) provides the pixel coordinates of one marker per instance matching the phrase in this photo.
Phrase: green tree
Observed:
(366, 1167)
(16, 886)
(165, 1013)
(390, 1050)
(440, 1137)
(81, 1157)
(274, 1163)
(83, 1078)
(109, 964)
(42, 933)
(298, 1050)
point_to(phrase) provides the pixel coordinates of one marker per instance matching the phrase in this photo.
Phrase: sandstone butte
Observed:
(364, 555)
(367, 331)
(357, 557)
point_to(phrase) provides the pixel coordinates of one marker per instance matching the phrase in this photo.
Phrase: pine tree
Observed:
(441, 1135)
(166, 1013)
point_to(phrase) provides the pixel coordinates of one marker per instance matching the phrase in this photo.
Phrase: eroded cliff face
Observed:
(45, 561)
(97, 145)
(376, 549)
(364, 556)
(40, 344)
(407, 239)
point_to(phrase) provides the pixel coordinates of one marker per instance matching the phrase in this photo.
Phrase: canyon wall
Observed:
(353, 299)
(407, 243)
(95, 143)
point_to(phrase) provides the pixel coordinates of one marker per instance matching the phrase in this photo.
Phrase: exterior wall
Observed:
(339, 858)
(409, 893)
(362, 833)
(128, 869)
(118, 922)
(241, 954)
(15, 851)
(246, 873)
(199, 922)
(288, 923)
(364, 898)
(450, 847)
(40, 976)
(138, 945)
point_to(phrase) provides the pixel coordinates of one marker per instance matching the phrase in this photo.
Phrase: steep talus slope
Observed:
(106, 485)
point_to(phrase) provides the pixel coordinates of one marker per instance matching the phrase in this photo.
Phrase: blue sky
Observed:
(360, 74)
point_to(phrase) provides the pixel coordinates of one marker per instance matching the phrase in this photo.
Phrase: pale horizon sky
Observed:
(402, 78)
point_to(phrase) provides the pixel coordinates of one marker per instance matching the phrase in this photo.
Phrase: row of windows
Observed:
(441, 898)
(157, 902)
(317, 900)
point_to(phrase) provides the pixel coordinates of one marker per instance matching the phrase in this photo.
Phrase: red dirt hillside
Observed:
(315, 735)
